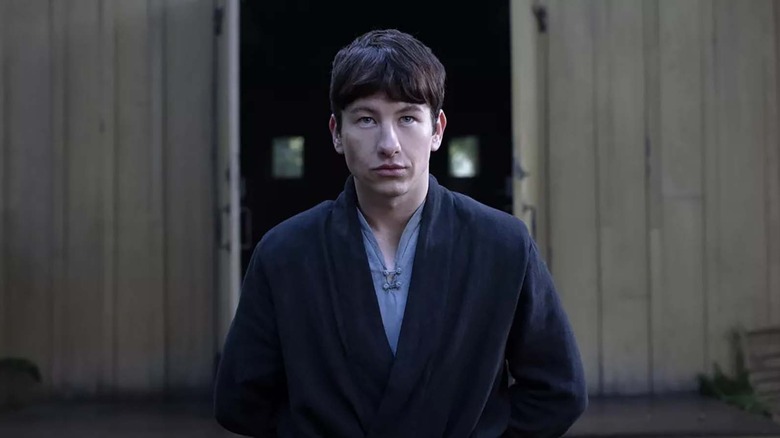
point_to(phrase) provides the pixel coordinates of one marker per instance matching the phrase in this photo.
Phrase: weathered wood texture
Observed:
(107, 231)
(664, 182)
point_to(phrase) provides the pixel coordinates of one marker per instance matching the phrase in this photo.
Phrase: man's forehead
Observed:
(381, 102)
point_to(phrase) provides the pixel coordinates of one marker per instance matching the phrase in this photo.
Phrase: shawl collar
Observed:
(357, 312)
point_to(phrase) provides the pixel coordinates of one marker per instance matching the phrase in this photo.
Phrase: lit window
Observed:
(288, 157)
(464, 156)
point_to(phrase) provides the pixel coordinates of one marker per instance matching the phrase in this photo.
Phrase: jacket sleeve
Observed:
(549, 391)
(250, 384)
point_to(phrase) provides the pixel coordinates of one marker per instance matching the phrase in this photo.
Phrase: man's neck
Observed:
(388, 216)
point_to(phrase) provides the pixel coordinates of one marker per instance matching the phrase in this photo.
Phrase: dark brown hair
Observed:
(388, 61)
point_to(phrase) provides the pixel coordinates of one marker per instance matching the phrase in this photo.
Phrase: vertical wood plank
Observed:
(741, 298)
(59, 188)
(226, 176)
(29, 170)
(140, 349)
(654, 198)
(108, 116)
(527, 178)
(84, 200)
(542, 192)
(772, 34)
(573, 216)
(3, 194)
(710, 158)
(678, 301)
(157, 245)
(189, 195)
(622, 206)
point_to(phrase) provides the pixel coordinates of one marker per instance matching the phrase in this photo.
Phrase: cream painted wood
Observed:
(81, 329)
(158, 249)
(741, 86)
(542, 159)
(106, 145)
(621, 194)
(3, 193)
(228, 168)
(190, 209)
(59, 291)
(139, 300)
(710, 159)
(771, 31)
(106, 378)
(29, 169)
(678, 300)
(653, 187)
(528, 180)
(688, 212)
(574, 259)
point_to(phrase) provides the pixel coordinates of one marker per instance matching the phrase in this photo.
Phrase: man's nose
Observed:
(388, 144)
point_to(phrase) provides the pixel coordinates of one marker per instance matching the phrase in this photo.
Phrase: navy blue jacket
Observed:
(307, 355)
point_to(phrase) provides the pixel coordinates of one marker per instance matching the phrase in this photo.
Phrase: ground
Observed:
(677, 416)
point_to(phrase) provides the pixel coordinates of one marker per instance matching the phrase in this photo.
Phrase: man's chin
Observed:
(388, 189)
(391, 191)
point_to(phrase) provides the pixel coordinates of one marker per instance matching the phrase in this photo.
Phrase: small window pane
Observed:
(288, 157)
(464, 156)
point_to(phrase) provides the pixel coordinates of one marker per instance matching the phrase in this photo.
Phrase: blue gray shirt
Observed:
(392, 286)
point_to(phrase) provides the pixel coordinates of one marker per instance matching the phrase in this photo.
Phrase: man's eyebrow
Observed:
(410, 108)
(361, 109)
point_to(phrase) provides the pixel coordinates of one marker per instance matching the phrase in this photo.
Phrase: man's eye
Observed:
(365, 120)
(407, 119)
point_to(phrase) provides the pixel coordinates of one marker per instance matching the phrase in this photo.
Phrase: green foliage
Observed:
(735, 390)
(20, 365)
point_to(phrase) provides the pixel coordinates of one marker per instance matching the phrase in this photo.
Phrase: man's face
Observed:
(387, 144)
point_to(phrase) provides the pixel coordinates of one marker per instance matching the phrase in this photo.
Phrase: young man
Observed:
(401, 309)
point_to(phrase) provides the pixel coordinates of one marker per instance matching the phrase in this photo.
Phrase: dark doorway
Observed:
(286, 51)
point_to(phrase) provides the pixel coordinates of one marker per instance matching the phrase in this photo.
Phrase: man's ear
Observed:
(438, 131)
(335, 135)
